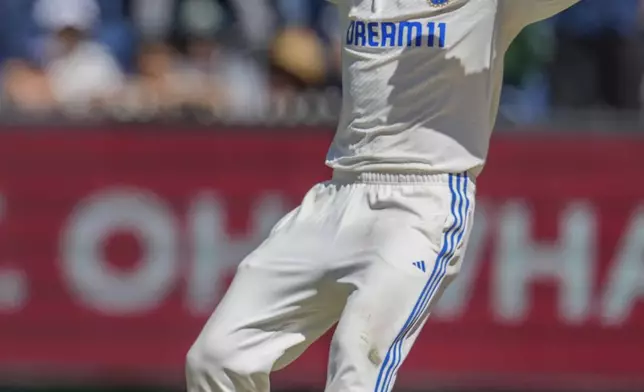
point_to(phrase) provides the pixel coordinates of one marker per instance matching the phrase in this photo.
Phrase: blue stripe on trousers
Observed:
(441, 275)
(434, 281)
(452, 237)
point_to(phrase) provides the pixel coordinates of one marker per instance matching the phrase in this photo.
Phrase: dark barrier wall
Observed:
(116, 245)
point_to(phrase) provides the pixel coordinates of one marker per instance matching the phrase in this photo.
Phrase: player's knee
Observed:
(216, 355)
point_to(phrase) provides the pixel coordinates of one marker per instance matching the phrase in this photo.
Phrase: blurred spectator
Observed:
(316, 19)
(241, 58)
(80, 70)
(239, 86)
(156, 86)
(300, 53)
(26, 87)
(205, 76)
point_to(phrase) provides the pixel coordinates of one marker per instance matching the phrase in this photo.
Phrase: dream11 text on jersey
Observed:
(396, 34)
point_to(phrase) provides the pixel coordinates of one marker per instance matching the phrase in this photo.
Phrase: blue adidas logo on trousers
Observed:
(420, 265)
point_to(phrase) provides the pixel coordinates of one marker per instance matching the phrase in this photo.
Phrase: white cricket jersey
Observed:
(422, 80)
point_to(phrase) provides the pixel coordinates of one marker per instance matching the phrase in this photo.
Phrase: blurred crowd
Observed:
(233, 58)
(239, 59)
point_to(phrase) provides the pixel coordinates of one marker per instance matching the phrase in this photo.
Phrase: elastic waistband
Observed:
(399, 178)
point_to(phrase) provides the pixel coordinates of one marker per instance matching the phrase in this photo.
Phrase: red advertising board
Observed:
(115, 246)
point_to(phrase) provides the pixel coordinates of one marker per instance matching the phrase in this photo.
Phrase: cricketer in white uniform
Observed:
(373, 248)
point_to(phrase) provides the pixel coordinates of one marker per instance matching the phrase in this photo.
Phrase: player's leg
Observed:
(278, 303)
(266, 320)
(394, 294)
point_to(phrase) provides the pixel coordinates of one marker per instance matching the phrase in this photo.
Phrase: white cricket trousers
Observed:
(370, 252)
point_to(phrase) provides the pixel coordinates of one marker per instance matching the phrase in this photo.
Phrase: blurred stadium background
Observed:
(146, 146)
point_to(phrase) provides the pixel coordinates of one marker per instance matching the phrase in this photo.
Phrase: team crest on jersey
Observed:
(438, 3)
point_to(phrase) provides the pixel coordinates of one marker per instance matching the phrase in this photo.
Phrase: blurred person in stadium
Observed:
(26, 89)
(254, 19)
(213, 58)
(38, 47)
(206, 69)
(161, 80)
(80, 70)
(155, 86)
(297, 50)
(373, 248)
(598, 56)
(299, 54)
(315, 19)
